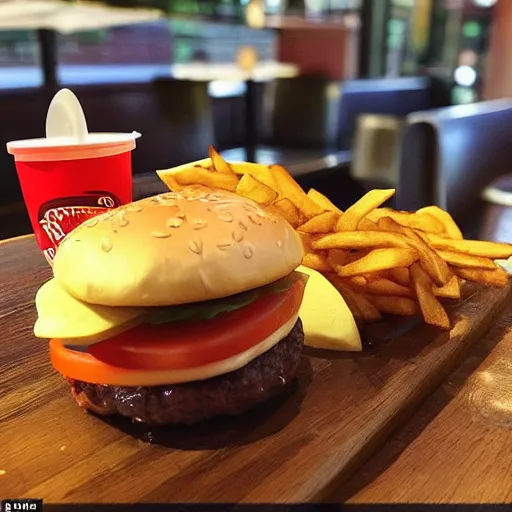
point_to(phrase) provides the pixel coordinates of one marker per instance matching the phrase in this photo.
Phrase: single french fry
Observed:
(289, 188)
(402, 306)
(365, 224)
(431, 309)
(379, 259)
(322, 223)
(307, 241)
(337, 258)
(179, 178)
(458, 259)
(451, 290)
(494, 250)
(316, 261)
(337, 282)
(381, 286)
(323, 201)
(450, 227)
(259, 171)
(361, 240)
(250, 187)
(400, 276)
(288, 210)
(365, 307)
(219, 164)
(425, 222)
(497, 277)
(371, 200)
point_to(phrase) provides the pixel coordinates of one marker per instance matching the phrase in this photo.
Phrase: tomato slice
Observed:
(179, 345)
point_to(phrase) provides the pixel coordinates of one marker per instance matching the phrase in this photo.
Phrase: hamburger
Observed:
(176, 308)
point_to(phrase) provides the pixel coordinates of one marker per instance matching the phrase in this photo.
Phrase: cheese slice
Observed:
(327, 320)
(62, 316)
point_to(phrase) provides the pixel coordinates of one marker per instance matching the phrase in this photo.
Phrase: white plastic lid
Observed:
(94, 145)
(67, 136)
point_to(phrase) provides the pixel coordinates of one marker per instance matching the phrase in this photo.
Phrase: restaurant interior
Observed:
(348, 95)
(378, 132)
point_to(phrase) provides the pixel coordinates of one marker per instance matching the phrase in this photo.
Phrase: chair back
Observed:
(449, 155)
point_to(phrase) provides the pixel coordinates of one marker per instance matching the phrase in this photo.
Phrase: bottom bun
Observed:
(191, 402)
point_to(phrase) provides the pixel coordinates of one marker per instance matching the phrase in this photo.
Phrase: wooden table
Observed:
(456, 448)
(299, 449)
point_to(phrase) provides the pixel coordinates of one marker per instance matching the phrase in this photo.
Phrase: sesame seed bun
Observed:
(176, 248)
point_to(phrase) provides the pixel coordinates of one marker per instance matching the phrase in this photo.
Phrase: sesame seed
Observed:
(254, 218)
(195, 246)
(238, 236)
(224, 246)
(174, 222)
(225, 216)
(198, 224)
(160, 234)
(106, 244)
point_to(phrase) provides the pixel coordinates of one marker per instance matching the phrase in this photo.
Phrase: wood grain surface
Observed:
(297, 448)
(456, 448)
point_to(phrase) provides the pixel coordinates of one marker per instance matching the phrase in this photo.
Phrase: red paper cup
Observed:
(64, 185)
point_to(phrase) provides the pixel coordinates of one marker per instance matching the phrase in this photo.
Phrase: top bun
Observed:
(176, 248)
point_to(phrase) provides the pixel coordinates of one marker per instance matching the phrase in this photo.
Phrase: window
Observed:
(136, 53)
(19, 60)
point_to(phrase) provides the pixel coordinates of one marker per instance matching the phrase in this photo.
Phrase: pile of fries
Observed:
(381, 260)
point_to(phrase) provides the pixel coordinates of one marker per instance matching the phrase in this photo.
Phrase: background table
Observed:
(262, 72)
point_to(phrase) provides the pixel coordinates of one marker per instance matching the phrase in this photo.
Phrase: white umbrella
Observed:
(50, 16)
(68, 17)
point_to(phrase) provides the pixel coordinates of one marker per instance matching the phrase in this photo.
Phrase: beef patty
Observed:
(191, 402)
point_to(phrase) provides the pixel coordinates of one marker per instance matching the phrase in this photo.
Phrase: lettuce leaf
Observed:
(210, 309)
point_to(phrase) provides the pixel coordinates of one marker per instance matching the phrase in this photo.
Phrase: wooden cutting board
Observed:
(292, 449)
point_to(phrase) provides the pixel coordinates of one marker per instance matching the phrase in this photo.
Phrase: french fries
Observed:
(432, 310)
(322, 223)
(288, 210)
(179, 180)
(260, 172)
(219, 164)
(379, 259)
(323, 201)
(250, 187)
(425, 222)
(394, 305)
(381, 286)
(435, 266)
(497, 277)
(382, 261)
(360, 306)
(492, 250)
(450, 228)
(371, 200)
(451, 290)
(458, 259)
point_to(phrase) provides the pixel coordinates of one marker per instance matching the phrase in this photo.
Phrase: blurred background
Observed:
(347, 94)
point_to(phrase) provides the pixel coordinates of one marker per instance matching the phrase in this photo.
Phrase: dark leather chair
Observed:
(388, 96)
(449, 155)
(301, 112)
(297, 119)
